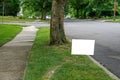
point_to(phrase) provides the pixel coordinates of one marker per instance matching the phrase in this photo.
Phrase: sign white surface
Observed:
(82, 47)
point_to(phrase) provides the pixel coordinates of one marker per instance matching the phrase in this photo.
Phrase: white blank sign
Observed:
(83, 47)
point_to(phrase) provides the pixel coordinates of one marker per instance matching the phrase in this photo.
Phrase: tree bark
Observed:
(114, 10)
(84, 14)
(77, 13)
(43, 13)
(57, 34)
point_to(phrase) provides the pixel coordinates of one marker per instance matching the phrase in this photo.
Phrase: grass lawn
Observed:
(110, 19)
(56, 62)
(14, 19)
(7, 32)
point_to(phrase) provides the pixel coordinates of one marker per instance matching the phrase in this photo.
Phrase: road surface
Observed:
(107, 36)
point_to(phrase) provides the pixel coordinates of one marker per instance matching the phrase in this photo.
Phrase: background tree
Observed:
(79, 8)
(57, 35)
(37, 6)
(98, 8)
(93, 8)
(11, 7)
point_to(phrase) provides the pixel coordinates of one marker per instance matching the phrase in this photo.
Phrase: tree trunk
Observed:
(84, 14)
(114, 10)
(57, 34)
(77, 13)
(43, 13)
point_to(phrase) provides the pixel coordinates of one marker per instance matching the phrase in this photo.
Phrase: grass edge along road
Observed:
(15, 19)
(8, 32)
(56, 62)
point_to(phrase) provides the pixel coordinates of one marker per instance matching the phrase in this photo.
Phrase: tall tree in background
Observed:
(79, 7)
(100, 8)
(41, 6)
(91, 8)
(57, 34)
(11, 7)
(114, 10)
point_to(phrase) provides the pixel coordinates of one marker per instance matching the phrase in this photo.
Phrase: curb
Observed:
(114, 77)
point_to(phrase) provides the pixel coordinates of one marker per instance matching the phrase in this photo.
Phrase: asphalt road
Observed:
(107, 36)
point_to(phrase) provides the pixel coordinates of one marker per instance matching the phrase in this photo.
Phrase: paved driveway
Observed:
(107, 36)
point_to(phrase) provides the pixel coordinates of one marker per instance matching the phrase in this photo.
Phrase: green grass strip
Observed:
(56, 62)
(8, 32)
(15, 19)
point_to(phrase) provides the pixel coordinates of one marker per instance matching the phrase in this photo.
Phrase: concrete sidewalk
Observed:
(14, 55)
